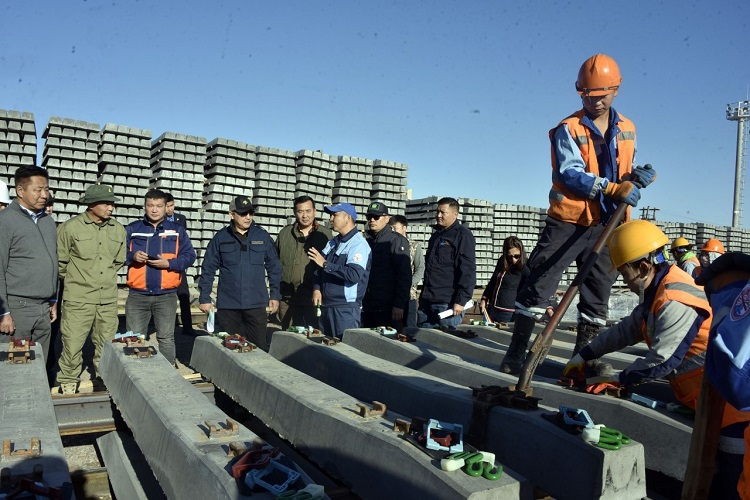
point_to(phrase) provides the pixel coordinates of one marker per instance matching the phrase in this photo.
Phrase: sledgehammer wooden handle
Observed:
(543, 341)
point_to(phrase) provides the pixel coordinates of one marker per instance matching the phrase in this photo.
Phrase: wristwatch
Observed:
(325, 265)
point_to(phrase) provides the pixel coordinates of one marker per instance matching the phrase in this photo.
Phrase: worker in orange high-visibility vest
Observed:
(673, 318)
(593, 170)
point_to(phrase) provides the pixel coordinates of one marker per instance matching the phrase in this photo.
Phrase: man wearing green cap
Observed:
(91, 248)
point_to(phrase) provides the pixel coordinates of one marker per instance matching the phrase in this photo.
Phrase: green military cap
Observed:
(98, 193)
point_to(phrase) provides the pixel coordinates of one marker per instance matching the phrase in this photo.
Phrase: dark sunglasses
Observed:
(373, 217)
(514, 257)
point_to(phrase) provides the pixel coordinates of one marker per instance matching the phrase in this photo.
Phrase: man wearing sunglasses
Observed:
(387, 293)
(244, 255)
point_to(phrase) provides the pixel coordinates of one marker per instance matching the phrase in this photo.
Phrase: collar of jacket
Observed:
(345, 237)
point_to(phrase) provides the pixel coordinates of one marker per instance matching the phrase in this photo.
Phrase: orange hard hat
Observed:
(713, 245)
(599, 75)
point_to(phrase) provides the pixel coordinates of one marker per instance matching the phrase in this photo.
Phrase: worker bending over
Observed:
(673, 317)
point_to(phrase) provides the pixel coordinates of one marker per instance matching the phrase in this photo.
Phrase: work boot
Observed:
(586, 332)
(519, 342)
(69, 388)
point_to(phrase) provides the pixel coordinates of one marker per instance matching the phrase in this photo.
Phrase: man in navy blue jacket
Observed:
(244, 254)
(450, 269)
(345, 265)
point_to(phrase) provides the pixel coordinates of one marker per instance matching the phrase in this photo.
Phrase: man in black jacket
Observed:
(390, 278)
(183, 291)
(450, 269)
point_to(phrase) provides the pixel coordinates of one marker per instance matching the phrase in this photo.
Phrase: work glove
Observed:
(624, 191)
(643, 176)
(575, 369)
(602, 383)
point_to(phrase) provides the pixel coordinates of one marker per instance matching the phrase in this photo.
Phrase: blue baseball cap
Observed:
(341, 207)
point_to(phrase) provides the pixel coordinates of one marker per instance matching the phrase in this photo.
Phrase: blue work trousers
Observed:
(336, 319)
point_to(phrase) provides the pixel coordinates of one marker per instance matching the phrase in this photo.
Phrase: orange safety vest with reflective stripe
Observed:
(568, 207)
(137, 272)
(686, 381)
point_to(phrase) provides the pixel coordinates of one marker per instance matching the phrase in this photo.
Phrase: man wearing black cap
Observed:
(341, 281)
(390, 278)
(90, 250)
(244, 254)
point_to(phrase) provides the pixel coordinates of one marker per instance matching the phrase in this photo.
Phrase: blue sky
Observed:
(464, 92)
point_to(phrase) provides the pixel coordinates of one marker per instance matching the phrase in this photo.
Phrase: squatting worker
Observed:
(28, 261)
(344, 270)
(244, 255)
(158, 252)
(450, 269)
(297, 271)
(727, 282)
(673, 318)
(593, 151)
(90, 250)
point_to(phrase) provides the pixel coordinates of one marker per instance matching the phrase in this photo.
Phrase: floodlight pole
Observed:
(739, 112)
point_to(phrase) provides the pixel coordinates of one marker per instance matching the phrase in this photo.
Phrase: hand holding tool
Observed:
(643, 176)
(624, 191)
(575, 369)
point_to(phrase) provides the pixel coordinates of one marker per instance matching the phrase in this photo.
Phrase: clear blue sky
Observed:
(464, 92)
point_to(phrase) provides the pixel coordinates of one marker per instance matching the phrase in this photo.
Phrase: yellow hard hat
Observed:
(635, 240)
(680, 242)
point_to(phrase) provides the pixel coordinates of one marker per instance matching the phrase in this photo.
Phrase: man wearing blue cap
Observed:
(341, 281)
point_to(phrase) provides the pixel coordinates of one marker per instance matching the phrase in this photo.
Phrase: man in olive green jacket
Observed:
(91, 248)
(297, 271)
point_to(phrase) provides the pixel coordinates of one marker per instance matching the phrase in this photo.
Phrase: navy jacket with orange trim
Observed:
(168, 239)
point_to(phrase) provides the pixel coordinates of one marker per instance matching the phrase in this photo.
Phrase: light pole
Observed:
(739, 112)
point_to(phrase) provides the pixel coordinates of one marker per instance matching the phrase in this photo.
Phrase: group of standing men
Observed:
(307, 276)
(84, 254)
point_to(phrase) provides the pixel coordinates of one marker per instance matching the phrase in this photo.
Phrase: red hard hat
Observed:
(599, 75)
(713, 245)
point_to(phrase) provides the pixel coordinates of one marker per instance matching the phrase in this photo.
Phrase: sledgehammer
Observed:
(543, 341)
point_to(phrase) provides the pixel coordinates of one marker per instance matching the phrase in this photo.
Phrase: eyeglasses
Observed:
(514, 256)
(373, 217)
(246, 214)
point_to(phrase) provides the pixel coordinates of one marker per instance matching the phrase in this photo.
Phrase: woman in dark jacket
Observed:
(499, 295)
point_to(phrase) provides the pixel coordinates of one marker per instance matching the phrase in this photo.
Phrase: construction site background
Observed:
(203, 176)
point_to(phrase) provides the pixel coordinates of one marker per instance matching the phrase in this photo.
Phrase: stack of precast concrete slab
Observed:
(71, 158)
(17, 142)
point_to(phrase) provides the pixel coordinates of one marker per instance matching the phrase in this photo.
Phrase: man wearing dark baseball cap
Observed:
(390, 278)
(90, 248)
(244, 254)
(344, 271)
